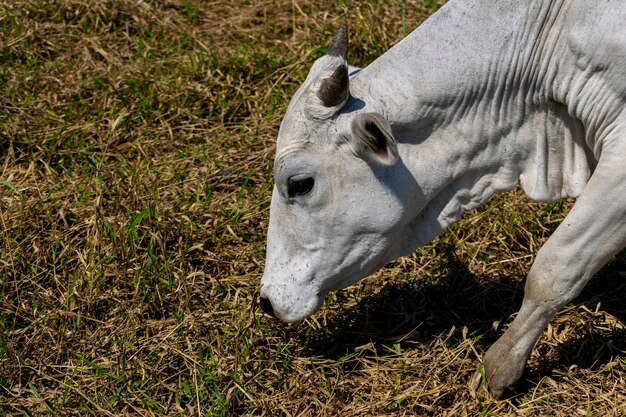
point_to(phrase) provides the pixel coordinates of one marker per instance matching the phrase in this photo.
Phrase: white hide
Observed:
(481, 97)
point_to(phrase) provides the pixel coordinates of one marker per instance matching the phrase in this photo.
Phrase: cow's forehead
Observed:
(299, 127)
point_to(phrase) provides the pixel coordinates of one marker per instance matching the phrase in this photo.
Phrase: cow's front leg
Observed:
(504, 362)
(592, 233)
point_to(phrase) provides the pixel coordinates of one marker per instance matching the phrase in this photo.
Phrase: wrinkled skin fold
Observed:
(373, 163)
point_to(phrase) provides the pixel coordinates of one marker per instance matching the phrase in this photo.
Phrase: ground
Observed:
(136, 148)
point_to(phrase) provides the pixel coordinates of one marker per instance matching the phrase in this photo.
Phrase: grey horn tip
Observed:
(339, 45)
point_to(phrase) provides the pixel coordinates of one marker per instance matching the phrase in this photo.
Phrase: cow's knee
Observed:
(550, 284)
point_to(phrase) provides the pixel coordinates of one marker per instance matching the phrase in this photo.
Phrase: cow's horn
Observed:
(339, 45)
(334, 90)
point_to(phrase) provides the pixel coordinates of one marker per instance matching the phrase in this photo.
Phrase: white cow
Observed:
(482, 96)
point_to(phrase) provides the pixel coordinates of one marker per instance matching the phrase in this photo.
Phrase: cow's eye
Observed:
(299, 186)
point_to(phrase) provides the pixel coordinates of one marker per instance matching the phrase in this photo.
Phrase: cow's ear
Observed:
(371, 135)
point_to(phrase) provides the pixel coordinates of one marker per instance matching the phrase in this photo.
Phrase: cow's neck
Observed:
(467, 121)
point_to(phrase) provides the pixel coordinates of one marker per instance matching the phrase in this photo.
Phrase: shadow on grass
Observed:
(421, 311)
(418, 311)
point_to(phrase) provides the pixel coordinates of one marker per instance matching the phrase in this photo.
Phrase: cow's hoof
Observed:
(492, 388)
(480, 388)
(476, 382)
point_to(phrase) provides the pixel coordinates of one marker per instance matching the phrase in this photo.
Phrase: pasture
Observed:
(136, 149)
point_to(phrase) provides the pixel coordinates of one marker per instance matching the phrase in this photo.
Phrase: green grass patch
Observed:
(136, 151)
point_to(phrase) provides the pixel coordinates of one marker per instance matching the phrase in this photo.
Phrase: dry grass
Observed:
(136, 144)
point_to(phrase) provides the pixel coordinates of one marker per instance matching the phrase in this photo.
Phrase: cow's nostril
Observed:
(266, 305)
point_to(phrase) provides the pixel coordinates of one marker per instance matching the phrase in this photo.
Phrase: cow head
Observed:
(337, 204)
